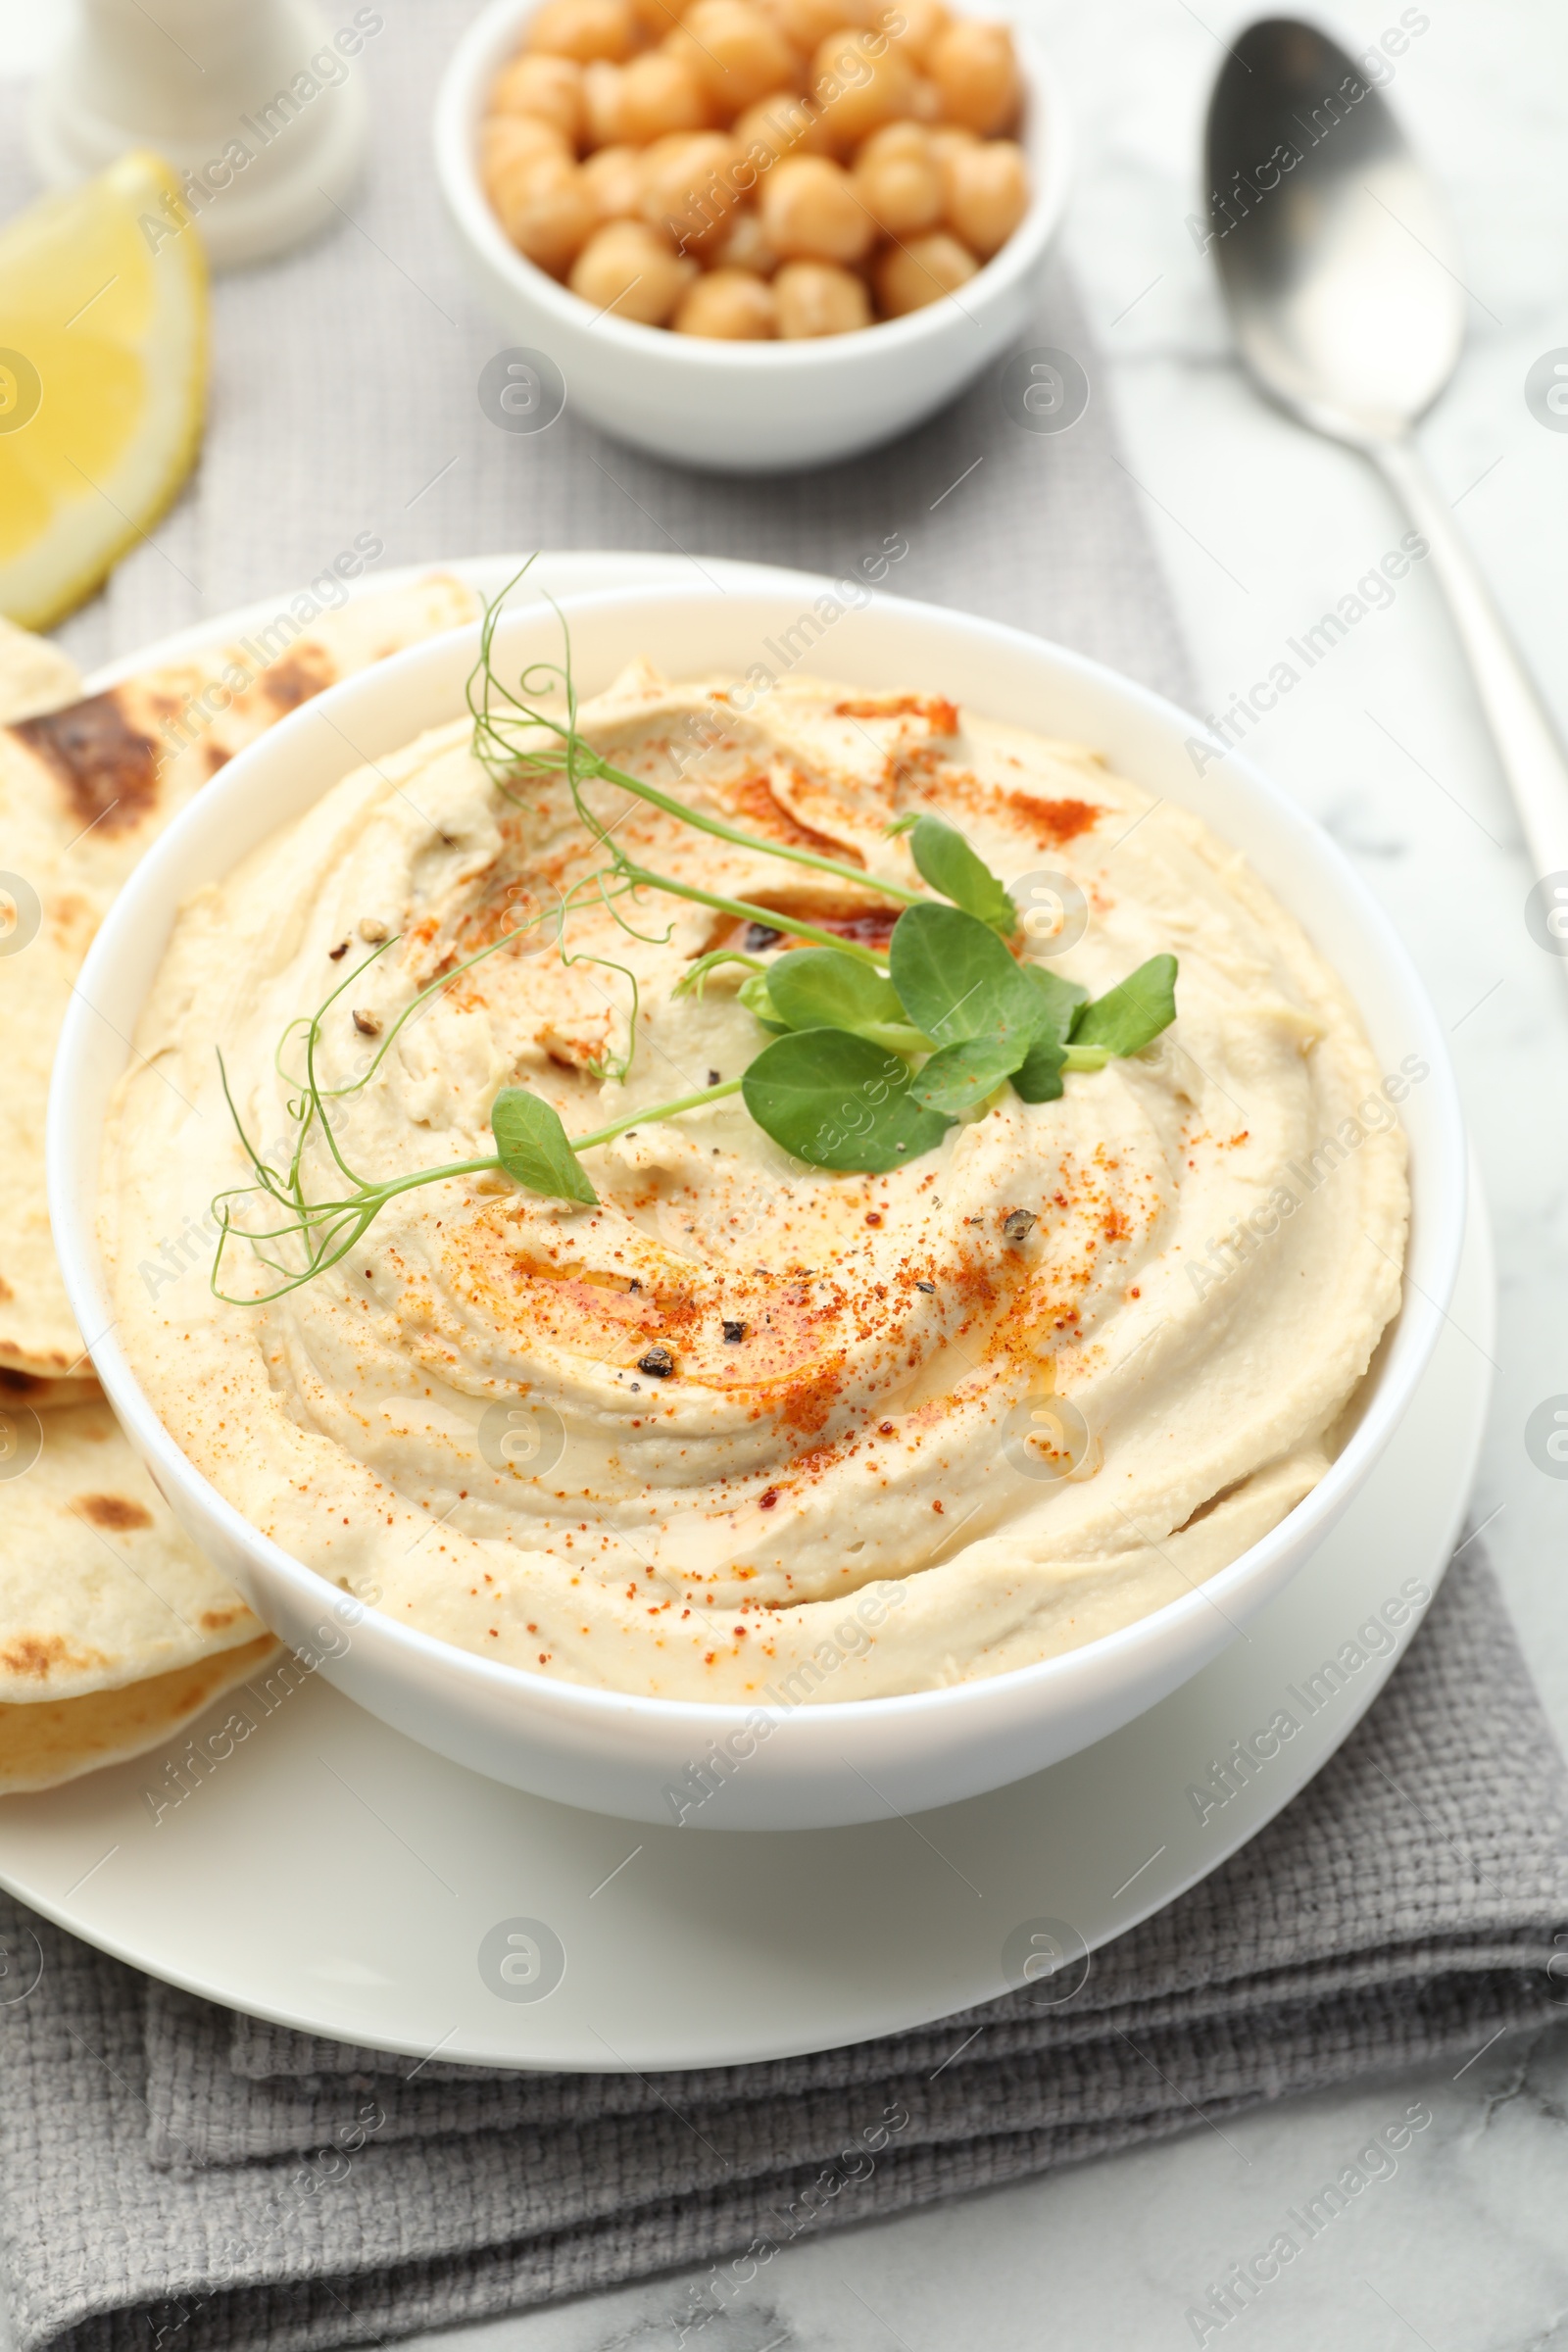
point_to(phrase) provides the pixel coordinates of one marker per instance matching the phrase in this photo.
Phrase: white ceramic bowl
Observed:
(744, 407)
(813, 1766)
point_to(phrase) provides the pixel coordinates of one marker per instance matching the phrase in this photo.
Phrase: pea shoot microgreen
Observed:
(1132, 1015)
(817, 988)
(531, 1146)
(946, 860)
(840, 1102)
(871, 1056)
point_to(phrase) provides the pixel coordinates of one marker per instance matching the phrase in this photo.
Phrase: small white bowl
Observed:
(744, 407)
(815, 1766)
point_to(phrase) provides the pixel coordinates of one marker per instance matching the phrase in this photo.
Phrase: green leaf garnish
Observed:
(958, 1078)
(1130, 1015)
(839, 1102)
(817, 988)
(946, 860)
(1060, 996)
(1038, 1077)
(756, 997)
(956, 980)
(531, 1146)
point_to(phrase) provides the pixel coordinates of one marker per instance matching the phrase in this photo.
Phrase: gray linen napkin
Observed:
(173, 2174)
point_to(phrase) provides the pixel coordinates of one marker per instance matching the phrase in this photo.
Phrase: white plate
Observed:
(333, 1876)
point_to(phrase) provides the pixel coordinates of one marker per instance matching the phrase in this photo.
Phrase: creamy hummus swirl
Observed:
(748, 1431)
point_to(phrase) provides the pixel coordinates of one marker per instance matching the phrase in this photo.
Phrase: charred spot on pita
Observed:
(108, 768)
(113, 1510)
(302, 672)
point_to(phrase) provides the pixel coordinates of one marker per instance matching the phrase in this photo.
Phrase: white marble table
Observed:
(1262, 528)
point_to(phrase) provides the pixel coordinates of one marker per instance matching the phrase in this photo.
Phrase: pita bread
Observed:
(84, 788)
(34, 675)
(99, 1586)
(43, 1746)
(113, 1630)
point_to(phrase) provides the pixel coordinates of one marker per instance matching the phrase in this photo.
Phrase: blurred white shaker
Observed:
(258, 106)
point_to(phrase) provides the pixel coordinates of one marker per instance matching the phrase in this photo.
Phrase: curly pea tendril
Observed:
(871, 1056)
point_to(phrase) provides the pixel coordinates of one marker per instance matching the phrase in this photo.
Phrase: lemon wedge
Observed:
(103, 373)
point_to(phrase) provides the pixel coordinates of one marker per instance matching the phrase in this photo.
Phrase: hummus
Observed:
(748, 1431)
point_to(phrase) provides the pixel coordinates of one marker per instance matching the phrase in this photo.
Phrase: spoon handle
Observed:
(1529, 746)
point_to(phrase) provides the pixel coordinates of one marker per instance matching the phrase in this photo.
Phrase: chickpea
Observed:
(974, 68)
(864, 162)
(735, 51)
(987, 192)
(812, 210)
(584, 29)
(808, 22)
(947, 141)
(545, 210)
(614, 180)
(600, 104)
(691, 187)
(923, 19)
(629, 269)
(745, 247)
(780, 124)
(859, 81)
(817, 298)
(733, 306)
(909, 277)
(659, 95)
(548, 87)
(508, 141)
(897, 177)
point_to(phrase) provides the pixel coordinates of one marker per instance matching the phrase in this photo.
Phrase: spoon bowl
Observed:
(1341, 273)
(1333, 250)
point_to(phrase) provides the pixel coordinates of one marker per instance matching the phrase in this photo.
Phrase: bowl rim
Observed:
(84, 1275)
(1047, 137)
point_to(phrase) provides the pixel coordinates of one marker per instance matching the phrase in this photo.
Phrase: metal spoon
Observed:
(1339, 272)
